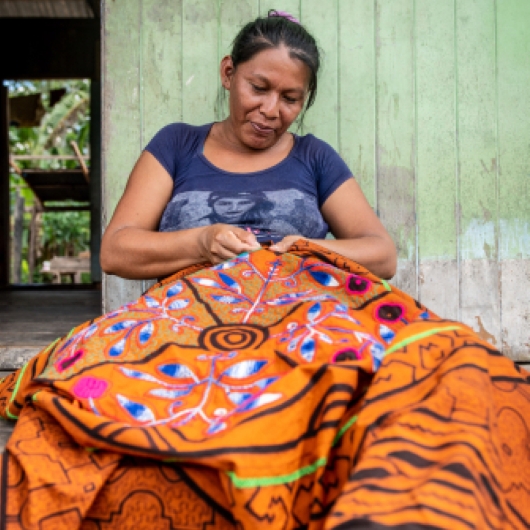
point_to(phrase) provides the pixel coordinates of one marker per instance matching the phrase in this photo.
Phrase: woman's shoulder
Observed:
(311, 149)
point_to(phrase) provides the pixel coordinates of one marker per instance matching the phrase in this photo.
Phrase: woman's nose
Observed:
(270, 106)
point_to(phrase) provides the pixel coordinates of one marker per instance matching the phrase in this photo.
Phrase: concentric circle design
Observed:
(231, 337)
(357, 285)
(389, 312)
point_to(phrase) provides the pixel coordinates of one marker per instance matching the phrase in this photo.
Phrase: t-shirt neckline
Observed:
(200, 153)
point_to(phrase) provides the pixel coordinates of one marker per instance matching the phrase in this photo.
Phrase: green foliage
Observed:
(61, 233)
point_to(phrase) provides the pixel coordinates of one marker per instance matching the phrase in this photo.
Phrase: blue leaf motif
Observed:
(179, 304)
(146, 332)
(206, 282)
(314, 311)
(90, 331)
(151, 302)
(117, 349)
(178, 371)
(238, 397)
(293, 344)
(307, 348)
(225, 299)
(135, 374)
(174, 290)
(120, 326)
(139, 412)
(244, 369)
(216, 427)
(386, 333)
(169, 394)
(263, 399)
(230, 282)
(263, 383)
(323, 278)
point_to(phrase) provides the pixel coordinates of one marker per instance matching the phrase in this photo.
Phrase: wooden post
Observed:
(33, 241)
(4, 187)
(17, 237)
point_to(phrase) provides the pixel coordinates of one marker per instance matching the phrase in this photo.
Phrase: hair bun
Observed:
(283, 14)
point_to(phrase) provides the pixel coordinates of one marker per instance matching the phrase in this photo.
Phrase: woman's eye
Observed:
(290, 100)
(258, 88)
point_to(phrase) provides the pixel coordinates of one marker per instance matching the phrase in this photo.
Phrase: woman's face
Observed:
(267, 93)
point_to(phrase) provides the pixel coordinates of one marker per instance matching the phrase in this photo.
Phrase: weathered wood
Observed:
(478, 168)
(95, 179)
(436, 162)
(357, 92)
(18, 227)
(322, 119)
(395, 132)
(121, 124)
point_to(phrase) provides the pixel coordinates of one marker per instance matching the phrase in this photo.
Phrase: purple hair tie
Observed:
(283, 14)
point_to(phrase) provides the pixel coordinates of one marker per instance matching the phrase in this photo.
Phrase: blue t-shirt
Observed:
(272, 203)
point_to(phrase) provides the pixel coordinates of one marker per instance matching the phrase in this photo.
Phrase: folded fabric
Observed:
(290, 390)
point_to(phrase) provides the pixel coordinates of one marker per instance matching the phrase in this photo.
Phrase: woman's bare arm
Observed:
(359, 233)
(133, 248)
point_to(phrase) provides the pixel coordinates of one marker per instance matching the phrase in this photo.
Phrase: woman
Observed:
(242, 391)
(271, 76)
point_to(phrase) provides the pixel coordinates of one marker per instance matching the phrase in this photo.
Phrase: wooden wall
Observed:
(427, 100)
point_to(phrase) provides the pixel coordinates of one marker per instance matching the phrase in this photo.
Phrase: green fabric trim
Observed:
(275, 481)
(344, 428)
(14, 394)
(386, 284)
(91, 449)
(419, 336)
(34, 396)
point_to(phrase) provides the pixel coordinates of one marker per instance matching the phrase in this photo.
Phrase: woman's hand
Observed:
(220, 242)
(285, 244)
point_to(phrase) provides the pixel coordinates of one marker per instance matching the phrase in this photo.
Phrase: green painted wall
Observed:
(427, 100)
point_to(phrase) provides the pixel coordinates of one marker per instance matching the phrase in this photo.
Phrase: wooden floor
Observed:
(31, 319)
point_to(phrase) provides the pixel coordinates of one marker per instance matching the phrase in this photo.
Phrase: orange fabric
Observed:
(272, 391)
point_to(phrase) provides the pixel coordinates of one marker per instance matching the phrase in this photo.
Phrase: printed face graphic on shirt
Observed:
(232, 209)
(269, 215)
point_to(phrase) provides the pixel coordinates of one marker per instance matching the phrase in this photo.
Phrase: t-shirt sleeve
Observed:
(166, 146)
(332, 171)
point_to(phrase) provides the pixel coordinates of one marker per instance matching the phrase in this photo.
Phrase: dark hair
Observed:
(271, 32)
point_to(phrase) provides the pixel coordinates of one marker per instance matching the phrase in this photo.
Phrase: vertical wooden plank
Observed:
(357, 92)
(200, 69)
(513, 80)
(160, 69)
(395, 133)
(477, 148)
(4, 186)
(321, 19)
(161, 65)
(121, 121)
(232, 17)
(436, 157)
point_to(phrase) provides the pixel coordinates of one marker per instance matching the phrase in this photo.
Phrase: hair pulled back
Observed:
(273, 31)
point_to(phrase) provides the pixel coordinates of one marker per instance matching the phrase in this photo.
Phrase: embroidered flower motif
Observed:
(356, 285)
(90, 387)
(346, 354)
(389, 312)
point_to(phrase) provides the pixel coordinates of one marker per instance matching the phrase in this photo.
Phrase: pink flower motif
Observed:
(355, 285)
(90, 387)
(389, 312)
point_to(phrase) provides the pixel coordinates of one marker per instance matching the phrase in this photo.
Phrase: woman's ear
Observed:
(227, 71)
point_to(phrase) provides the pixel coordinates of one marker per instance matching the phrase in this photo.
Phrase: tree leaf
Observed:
(178, 304)
(230, 282)
(177, 371)
(323, 278)
(167, 393)
(307, 349)
(146, 332)
(206, 282)
(174, 290)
